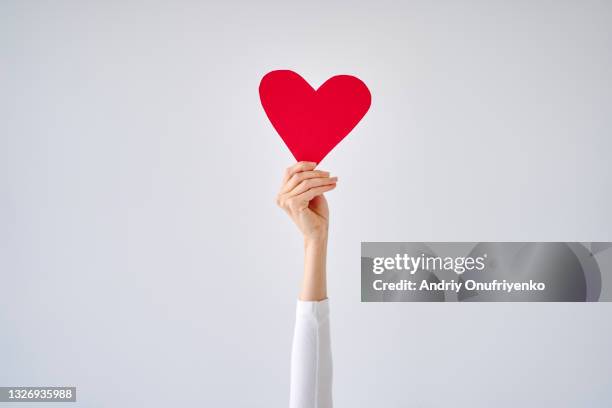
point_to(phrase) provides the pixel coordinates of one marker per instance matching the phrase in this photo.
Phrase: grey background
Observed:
(142, 258)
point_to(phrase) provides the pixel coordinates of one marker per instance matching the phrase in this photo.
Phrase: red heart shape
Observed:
(312, 122)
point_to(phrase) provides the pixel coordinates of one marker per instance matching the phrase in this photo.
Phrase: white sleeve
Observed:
(311, 360)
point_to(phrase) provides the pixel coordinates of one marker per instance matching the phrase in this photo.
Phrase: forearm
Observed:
(314, 282)
(311, 359)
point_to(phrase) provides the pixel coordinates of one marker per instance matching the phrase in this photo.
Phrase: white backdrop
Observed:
(142, 258)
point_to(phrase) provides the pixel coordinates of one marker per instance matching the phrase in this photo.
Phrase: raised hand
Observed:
(301, 196)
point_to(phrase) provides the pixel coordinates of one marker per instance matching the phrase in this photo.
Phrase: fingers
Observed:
(298, 167)
(302, 183)
(311, 183)
(303, 199)
(297, 178)
(298, 198)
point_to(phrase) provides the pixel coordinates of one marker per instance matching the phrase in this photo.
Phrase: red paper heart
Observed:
(312, 122)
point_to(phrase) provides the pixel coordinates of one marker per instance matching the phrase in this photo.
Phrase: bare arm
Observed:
(314, 282)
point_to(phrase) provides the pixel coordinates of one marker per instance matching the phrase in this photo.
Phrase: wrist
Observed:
(314, 283)
(316, 242)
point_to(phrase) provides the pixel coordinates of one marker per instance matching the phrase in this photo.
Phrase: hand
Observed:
(301, 196)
